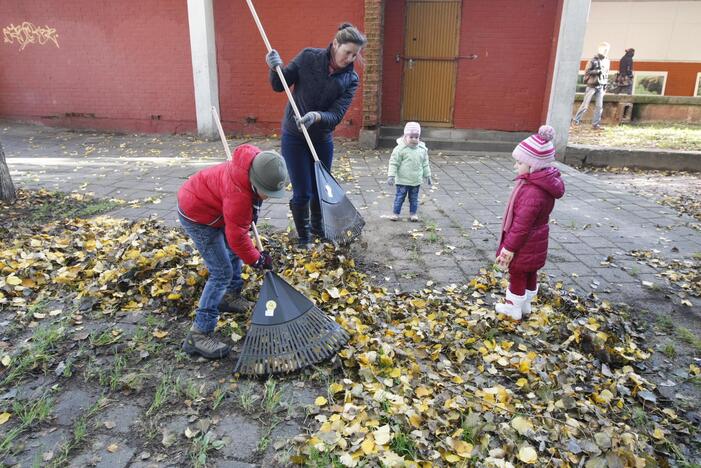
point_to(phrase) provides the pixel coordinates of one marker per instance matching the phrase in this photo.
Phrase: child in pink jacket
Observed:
(524, 234)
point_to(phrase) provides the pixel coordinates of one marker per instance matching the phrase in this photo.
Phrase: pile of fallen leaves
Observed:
(437, 377)
(686, 204)
(431, 377)
(684, 276)
(109, 264)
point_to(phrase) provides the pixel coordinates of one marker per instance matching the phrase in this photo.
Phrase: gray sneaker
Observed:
(232, 302)
(204, 344)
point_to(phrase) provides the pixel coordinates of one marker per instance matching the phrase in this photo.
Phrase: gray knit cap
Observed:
(268, 174)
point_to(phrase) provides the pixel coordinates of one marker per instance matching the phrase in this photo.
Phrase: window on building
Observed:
(697, 89)
(649, 83)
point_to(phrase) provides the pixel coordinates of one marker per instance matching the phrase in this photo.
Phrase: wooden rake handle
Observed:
(278, 69)
(215, 116)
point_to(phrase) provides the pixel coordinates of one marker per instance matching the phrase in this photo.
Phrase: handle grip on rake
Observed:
(278, 69)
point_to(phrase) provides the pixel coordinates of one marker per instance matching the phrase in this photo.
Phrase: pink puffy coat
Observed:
(222, 196)
(525, 230)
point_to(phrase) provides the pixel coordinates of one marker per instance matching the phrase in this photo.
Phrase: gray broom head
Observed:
(341, 221)
(287, 332)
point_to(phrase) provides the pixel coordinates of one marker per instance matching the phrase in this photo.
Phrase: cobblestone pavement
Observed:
(594, 226)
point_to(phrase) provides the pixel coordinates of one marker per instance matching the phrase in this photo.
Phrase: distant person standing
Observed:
(624, 80)
(596, 76)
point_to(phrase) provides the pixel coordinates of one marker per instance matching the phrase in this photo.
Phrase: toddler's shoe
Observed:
(393, 217)
(512, 307)
(413, 218)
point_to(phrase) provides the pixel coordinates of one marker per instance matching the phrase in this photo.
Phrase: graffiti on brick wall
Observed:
(27, 33)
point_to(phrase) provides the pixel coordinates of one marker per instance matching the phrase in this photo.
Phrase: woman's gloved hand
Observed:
(308, 119)
(273, 59)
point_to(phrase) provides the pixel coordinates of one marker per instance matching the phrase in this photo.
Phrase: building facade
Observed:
(159, 65)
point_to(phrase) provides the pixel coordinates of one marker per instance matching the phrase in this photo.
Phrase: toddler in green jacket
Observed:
(408, 166)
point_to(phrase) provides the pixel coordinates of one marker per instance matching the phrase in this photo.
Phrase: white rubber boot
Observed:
(512, 307)
(530, 295)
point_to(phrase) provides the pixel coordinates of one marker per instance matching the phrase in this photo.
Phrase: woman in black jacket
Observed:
(324, 85)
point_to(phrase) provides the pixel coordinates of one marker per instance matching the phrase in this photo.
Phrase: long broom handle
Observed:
(278, 69)
(215, 116)
(228, 155)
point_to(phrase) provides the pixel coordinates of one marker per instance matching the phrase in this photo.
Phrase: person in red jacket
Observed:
(524, 238)
(216, 207)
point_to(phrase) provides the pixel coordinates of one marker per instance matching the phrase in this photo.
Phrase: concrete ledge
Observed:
(596, 156)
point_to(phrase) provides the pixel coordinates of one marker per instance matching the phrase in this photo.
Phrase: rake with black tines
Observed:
(287, 332)
(341, 222)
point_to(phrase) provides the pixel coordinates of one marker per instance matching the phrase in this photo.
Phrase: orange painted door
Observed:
(430, 61)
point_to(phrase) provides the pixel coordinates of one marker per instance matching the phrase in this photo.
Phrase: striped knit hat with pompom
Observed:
(537, 151)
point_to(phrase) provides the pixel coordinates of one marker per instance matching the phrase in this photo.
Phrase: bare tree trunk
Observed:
(7, 188)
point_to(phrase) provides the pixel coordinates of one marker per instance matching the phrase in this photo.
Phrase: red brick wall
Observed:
(244, 90)
(681, 76)
(506, 87)
(117, 65)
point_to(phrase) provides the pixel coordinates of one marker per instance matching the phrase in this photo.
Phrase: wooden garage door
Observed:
(430, 60)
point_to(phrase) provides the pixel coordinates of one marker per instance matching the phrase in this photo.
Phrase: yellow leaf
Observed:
(348, 460)
(382, 435)
(320, 401)
(6, 360)
(415, 420)
(522, 425)
(521, 382)
(451, 458)
(658, 433)
(160, 334)
(12, 280)
(418, 303)
(4, 417)
(113, 448)
(174, 296)
(423, 391)
(527, 455)
(335, 387)
(368, 445)
(462, 448)
(457, 379)
(605, 396)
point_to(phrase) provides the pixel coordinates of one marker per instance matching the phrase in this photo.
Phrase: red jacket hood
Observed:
(548, 179)
(241, 160)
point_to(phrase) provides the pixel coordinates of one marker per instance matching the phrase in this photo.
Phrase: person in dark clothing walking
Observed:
(324, 85)
(624, 80)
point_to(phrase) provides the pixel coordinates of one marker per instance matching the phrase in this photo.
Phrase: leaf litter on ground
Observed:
(430, 377)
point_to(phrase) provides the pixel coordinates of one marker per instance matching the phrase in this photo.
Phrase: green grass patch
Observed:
(318, 459)
(666, 135)
(29, 413)
(688, 337)
(403, 445)
(39, 353)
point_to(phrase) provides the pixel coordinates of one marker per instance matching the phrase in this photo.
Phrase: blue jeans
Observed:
(402, 192)
(224, 271)
(597, 92)
(300, 165)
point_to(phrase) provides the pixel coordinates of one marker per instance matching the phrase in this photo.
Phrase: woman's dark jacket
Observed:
(316, 90)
